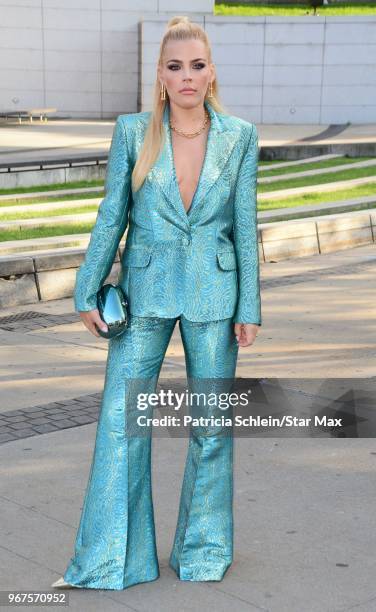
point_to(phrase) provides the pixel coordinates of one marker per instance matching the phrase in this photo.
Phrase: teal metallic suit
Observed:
(200, 268)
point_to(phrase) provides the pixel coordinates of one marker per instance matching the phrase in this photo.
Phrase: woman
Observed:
(183, 179)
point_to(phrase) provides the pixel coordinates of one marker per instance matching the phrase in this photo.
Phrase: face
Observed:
(185, 65)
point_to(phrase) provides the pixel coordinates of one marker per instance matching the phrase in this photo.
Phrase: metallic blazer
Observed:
(203, 263)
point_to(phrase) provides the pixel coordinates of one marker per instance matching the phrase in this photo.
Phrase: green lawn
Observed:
(368, 189)
(45, 232)
(35, 214)
(341, 163)
(318, 179)
(57, 199)
(55, 186)
(329, 163)
(291, 202)
(301, 8)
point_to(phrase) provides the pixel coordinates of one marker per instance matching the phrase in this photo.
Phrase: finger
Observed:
(90, 326)
(92, 329)
(101, 324)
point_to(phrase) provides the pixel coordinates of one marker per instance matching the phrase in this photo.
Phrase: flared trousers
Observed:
(115, 544)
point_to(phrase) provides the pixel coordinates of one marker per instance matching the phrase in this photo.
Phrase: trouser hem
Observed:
(200, 574)
(108, 586)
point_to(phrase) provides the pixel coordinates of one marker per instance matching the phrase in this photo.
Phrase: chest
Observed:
(189, 156)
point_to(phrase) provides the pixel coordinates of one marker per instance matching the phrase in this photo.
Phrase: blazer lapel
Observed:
(220, 143)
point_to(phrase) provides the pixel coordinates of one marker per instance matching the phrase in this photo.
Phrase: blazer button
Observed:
(186, 241)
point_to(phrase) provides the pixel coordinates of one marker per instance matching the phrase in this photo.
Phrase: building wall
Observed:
(79, 56)
(96, 59)
(286, 70)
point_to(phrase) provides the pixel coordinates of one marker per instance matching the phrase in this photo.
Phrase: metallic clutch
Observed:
(112, 305)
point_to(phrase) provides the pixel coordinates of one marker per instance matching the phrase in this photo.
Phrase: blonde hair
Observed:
(178, 28)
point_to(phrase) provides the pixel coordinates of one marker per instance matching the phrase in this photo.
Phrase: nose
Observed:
(187, 75)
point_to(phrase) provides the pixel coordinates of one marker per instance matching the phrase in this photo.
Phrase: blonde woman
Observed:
(182, 178)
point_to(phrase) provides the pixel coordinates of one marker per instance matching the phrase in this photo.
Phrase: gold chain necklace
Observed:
(193, 134)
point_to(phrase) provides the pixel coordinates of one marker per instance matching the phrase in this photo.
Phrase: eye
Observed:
(198, 65)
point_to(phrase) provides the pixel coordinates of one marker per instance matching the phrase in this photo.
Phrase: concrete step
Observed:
(306, 160)
(32, 245)
(279, 228)
(335, 186)
(317, 171)
(262, 179)
(301, 212)
(48, 221)
(29, 277)
(267, 216)
(361, 203)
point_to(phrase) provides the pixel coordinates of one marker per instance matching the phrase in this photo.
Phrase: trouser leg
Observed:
(115, 543)
(203, 543)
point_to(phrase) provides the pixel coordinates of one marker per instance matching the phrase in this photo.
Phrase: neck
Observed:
(186, 118)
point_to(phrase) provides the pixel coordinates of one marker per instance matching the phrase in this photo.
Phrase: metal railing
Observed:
(61, 162)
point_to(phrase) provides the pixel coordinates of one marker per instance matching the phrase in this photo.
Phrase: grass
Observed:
(43, 232)
(345, 172)
(339, 161)
(300, 9)
(368, 189)
(40, 200)
(329, 163)
(34, 214)
(54, 187)
(291, 202)
(318, 179)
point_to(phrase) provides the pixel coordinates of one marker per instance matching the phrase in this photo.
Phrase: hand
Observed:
(92, 317)
(245, 333)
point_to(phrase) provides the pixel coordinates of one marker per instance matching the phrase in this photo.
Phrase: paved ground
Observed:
(305, 526)
(56, 138)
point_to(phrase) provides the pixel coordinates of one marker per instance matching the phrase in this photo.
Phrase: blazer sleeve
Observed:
(110, 224)
(248, 308)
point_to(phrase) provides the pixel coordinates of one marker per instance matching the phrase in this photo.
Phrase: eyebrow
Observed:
(194, 60)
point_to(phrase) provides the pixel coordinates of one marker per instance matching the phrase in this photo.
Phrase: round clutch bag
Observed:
(112, 305)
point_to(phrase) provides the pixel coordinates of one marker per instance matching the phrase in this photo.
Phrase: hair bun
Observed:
(178, 19)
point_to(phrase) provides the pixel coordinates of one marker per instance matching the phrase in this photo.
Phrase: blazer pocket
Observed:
(136, 257)
(226, 260)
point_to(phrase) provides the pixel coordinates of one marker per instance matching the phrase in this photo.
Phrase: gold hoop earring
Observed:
(163, 92)
(210, 94)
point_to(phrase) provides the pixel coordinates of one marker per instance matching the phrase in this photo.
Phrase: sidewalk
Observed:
(305, 532)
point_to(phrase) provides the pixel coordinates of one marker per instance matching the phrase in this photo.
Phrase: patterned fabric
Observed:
(115, 545)
(203, 263)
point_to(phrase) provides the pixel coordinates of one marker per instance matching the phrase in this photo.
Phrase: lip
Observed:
(187, 90)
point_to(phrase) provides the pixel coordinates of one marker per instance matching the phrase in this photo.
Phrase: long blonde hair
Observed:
(178, 28)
